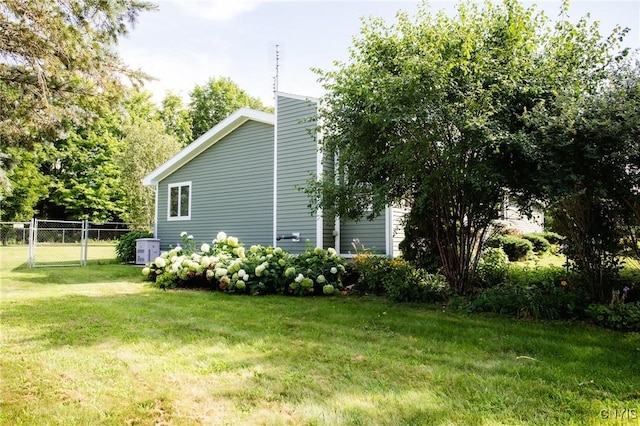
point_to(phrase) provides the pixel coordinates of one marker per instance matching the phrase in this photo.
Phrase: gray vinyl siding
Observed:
(512, 217)
(297, 157)
(371, 235)
(232, 190)
(515, 219)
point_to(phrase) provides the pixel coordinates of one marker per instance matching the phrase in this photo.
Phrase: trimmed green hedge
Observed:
(540, 243)
(515, 248)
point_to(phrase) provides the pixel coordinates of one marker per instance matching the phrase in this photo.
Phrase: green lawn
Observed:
(95, 345)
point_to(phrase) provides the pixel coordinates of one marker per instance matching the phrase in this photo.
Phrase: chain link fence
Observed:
(62, 243)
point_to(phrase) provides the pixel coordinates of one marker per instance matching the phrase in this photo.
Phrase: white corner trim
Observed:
(336, 238)
(157, 203)
(388, 225)
(319, 177)
(275, 175)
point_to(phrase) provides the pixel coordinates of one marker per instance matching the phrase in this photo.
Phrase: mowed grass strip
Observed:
(96, 345)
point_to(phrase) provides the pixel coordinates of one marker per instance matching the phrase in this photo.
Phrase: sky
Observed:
(187, 42)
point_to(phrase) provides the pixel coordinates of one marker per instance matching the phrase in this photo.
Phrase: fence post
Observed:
(84, 242)
(33, 235)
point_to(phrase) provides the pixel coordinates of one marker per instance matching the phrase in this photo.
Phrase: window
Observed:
(179, 201)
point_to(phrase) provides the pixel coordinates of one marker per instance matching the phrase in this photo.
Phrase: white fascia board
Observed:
(299, 97)
(212, 136)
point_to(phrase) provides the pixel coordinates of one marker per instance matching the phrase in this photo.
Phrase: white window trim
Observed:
(179, 185)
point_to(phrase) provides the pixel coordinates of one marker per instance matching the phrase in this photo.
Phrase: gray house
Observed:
(242, 177)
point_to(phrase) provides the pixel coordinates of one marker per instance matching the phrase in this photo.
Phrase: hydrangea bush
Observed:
(227, 266)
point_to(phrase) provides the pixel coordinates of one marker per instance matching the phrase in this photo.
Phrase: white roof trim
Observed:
(298, 97)
(212, 136)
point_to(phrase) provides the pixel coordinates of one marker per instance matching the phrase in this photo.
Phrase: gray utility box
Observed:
(147, 249)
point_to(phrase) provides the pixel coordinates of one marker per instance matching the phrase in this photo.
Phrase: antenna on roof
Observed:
(275, 78)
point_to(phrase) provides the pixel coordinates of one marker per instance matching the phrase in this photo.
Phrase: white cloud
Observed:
(178, 75)
(218, 10)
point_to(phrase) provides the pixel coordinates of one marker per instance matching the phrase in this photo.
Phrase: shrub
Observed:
(516, 248)
(371, 272)
(323, 267)
(547, 276)
(416, 285)
(492, 267)
(530, 301)
(540, 244)
(620, 316)
(398, 280)
(165, 281)
(225, 265)
(552, 237)
(126, 247)
(540, 292)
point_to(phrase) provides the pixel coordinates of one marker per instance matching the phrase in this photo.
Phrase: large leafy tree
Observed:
(58, 66)
(590, 173)
(58, 62)
(176, 119)
(213, 101)
(146, 144)
(429, 112)
(146, 147)
(25, 187)
(84, 179)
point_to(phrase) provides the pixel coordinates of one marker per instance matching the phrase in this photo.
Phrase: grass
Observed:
(95, 345)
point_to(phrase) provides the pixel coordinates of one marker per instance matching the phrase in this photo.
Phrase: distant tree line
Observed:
(75, 140)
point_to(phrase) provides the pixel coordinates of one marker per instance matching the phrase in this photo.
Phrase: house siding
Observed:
(370, 234)
(297, 158)
(232, 190)
(511, 217)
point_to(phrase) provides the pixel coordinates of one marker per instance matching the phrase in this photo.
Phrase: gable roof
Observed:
(212, 136)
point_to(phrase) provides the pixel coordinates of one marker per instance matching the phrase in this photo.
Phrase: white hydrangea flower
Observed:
(221, 236)
(183, 234)
(331, 251)
(232, 241)
(299, 278)
(160, 262)
(239, 251)
(205, 247)
(146, 271)
(334, 270)
(321, 279)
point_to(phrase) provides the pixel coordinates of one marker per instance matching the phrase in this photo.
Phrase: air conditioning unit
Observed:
(147, 249)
